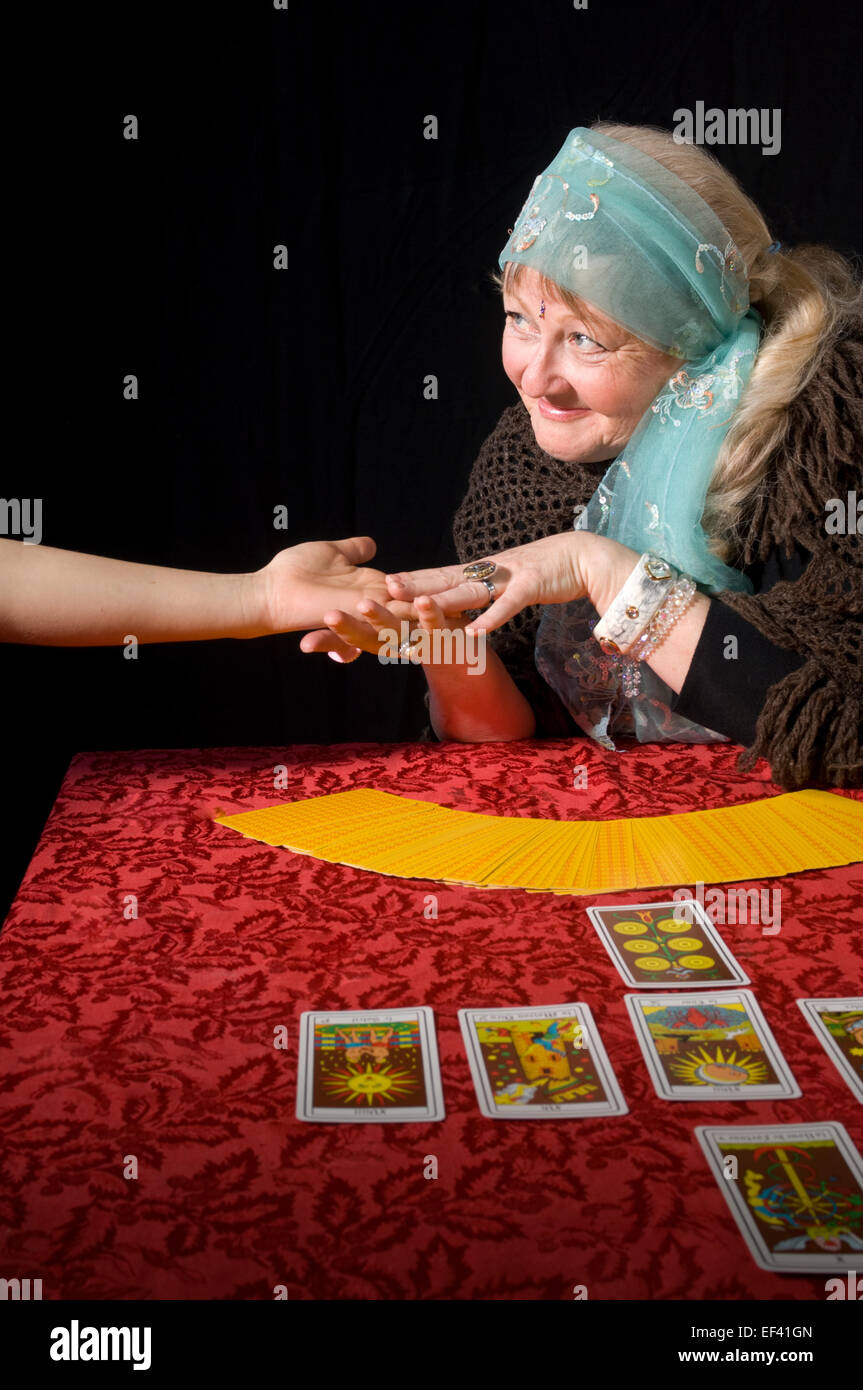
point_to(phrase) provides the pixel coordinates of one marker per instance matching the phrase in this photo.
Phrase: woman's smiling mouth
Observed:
(553, 412)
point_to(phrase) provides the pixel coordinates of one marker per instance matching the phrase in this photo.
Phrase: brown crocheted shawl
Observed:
(811, 726)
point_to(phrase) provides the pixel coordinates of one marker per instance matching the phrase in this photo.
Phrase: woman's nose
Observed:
(541, 374)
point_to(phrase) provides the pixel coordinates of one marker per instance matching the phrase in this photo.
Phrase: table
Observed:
(147, 1041)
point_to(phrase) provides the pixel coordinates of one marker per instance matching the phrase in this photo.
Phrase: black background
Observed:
(305, 387)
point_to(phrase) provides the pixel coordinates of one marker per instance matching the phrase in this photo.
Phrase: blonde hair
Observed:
(805, 297)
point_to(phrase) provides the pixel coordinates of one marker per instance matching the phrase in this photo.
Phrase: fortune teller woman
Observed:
(662, 533)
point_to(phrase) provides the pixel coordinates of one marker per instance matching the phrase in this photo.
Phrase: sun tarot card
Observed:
(666, 945)
(715, 1045)
(361, 1067)
(795, 1191)
(544, 1063)
(838, 1026)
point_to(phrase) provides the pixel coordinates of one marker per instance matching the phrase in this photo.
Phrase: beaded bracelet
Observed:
(674, 607)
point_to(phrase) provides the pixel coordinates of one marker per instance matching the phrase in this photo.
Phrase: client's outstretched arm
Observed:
(67, 599)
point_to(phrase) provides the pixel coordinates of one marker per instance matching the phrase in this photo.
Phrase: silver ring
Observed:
(488, 584)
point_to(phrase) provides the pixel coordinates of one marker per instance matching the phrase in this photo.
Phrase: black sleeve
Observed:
(725, 692)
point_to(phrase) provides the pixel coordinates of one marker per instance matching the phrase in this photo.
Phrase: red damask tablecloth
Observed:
(151, 1037)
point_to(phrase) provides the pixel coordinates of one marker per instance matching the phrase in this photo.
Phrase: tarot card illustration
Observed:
(838, 1026)
(712, 1045)
(541, 1063)
(666, 945)
(375, 1066)
(796, 1193)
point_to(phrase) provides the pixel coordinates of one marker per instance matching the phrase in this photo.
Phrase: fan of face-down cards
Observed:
(796, 1191)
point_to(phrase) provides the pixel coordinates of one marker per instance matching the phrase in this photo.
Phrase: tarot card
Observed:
(709, 1046)
(670, 945)
(373, 1066)
(838, 1026)
(795, 1191)
(544, 1063)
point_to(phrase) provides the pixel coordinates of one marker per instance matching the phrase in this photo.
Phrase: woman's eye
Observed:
(581, 340)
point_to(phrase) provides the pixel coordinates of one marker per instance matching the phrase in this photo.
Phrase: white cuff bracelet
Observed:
(634, 607)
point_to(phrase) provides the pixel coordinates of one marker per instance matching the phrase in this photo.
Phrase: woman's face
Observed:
(585, 388)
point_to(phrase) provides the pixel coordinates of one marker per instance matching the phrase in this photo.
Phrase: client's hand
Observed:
(346, 635)
(555, 569)
(303, 583)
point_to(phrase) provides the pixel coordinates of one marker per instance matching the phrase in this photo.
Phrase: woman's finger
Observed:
(469, 594)
(410, 583)
(519, 594)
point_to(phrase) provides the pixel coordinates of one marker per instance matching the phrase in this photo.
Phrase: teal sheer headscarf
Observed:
(615, 227)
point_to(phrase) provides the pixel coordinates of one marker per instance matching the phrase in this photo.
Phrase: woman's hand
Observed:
(346, 635)
(303, 583)
(556, 569)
